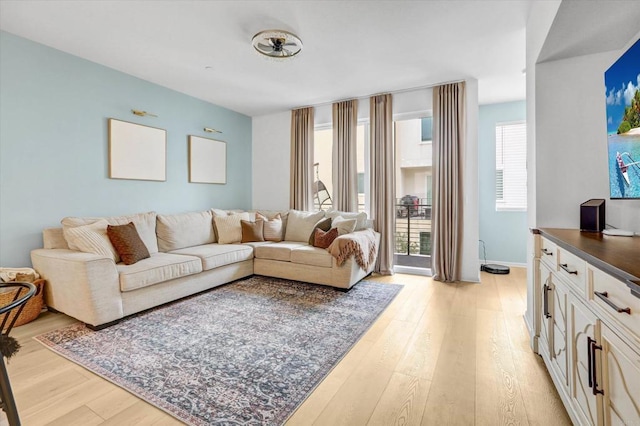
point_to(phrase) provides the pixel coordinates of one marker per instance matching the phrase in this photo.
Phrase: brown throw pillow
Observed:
(324, 239)
(252, 231)
(127, 242)
(324, 224)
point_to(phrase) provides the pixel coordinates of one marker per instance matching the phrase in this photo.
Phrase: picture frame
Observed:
(136, 151)
(622, 98)
(207, 160)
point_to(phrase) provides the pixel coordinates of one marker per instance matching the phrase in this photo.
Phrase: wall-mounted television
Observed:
(622, 82)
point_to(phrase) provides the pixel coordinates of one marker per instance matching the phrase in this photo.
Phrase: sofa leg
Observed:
(102, 326)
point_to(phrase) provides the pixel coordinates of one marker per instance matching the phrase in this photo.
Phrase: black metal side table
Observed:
(9, 346)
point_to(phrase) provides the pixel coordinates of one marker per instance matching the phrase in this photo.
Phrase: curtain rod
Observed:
(392, 92)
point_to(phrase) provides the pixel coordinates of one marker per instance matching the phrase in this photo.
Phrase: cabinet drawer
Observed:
(549, 253)
(615, 299)
(573, 269)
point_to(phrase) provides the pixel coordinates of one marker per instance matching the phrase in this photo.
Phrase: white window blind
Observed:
(511, 166)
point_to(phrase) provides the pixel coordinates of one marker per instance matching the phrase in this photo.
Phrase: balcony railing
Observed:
(413, 232)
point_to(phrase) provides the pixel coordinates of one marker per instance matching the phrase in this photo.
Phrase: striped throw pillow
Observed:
(228, 227)
(91, 238)
(272, 229)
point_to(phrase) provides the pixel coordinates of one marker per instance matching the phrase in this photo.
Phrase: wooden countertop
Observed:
(617, 256)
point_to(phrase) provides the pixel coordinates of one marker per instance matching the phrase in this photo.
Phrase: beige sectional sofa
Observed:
(185, 258)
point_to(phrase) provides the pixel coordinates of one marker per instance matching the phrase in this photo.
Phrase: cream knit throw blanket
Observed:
(360, 244)
(9, 274)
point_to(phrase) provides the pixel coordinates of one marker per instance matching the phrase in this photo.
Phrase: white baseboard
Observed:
(499, 262)
(412, 271)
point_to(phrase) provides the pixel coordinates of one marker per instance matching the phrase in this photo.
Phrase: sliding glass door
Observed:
(413, 193)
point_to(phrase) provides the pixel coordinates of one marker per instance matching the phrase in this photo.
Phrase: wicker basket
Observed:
(31, 309)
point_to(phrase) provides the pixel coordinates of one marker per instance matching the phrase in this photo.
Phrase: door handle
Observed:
(567, 270)
(604, 296)
(545, 300)
(594, 375)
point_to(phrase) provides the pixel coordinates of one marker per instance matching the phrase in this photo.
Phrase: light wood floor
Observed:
(440, 354)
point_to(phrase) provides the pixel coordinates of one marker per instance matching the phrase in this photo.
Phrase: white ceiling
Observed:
(351, 48)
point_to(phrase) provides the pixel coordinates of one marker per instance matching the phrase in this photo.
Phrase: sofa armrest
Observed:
(85, 286)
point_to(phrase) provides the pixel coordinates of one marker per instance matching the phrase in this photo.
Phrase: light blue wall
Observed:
(504, 233)
(54, 109)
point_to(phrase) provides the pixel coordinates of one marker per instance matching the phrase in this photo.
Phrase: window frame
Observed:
(502, 204)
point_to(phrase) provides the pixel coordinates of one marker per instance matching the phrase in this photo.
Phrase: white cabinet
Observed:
(620, 380)
(559, 347)
(546, 323)
(588, 334)
(584, 334)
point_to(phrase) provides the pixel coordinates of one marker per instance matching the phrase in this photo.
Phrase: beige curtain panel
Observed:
(302, 130)
(448, 147)
(345, 167)
(382, 166)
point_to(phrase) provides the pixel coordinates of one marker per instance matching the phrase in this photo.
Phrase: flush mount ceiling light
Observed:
(278, 44)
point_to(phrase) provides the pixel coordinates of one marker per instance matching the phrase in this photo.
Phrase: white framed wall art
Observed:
(207, 160)
(136, 151)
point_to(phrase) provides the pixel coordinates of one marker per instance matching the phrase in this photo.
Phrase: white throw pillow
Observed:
(300, 225)
(272, 228)
(228, 228)
(360, 217)
(91, 238)
(345, 226)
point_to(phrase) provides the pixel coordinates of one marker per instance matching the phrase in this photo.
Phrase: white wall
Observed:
(270, 162)
(571, 143)
(471, 213)
(539, 22)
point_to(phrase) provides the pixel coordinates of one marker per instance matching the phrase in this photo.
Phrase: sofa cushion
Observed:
(323, 225)
(145, 225)
(53, 238)
(158, 268)
(314, 256)
(344, 226)
(182, 230)
(252, 231)
(127, 242)
(361, 218)
(324, 239)
(228, 227)
(300, 224)
(92, 238)
(215, 255)
(273, 229)
(277, 251)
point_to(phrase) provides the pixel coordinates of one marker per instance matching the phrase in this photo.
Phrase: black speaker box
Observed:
(592, 215)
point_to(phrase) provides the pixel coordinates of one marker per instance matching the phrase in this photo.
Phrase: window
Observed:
(362, 158)
(511, 166)
(427, 129)
(323, 166)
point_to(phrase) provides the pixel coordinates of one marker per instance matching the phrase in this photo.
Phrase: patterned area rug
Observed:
(249, 352)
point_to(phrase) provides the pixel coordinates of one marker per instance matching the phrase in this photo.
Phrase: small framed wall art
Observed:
(207, 160)
(137, 151)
